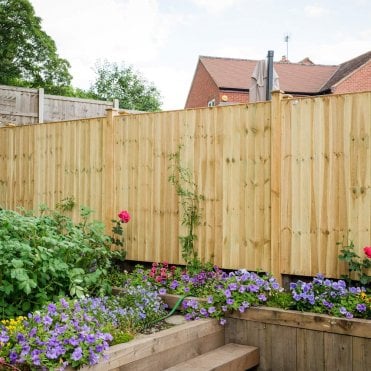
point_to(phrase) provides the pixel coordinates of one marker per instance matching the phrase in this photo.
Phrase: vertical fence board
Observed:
(335, 356)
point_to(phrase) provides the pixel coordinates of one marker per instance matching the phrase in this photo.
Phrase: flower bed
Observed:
(240, 290)
(78, 332)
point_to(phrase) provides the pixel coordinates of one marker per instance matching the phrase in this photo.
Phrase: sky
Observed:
(163, 39)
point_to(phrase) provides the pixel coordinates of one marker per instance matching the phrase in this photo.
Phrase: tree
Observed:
(129, 87)
(28, 56)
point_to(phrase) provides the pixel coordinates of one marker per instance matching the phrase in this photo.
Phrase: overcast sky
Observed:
(162, 39)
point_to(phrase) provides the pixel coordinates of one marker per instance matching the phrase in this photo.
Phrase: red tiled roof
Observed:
(346, 69)
(232, 73)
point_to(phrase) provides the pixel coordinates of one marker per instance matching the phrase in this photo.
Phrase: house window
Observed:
(211, 103)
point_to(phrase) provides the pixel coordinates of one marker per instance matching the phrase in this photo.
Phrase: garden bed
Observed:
(294, 340)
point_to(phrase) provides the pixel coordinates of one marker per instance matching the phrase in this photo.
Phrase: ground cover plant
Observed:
(239, 290)
(77, 332)
(47, 256)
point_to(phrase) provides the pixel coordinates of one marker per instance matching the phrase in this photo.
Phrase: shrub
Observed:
(49, 256)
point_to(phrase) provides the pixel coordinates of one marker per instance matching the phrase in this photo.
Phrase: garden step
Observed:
(229, 357)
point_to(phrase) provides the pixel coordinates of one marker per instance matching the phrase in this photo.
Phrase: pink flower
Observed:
(367, 250)
(124, 216)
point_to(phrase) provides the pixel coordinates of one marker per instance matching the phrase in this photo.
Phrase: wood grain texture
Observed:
(283, 181)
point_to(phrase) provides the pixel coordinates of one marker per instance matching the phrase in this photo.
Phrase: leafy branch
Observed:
(356, 266)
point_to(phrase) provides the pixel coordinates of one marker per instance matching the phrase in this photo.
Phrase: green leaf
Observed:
(17, 263)
(25, 286)
(6, 287)
(26, 306)
(19, 274)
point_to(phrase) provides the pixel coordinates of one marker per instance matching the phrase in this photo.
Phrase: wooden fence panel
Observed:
(18, 105)
(283, 182)
(57, 108)
(23, 106)
(325, 177)
(227, 151)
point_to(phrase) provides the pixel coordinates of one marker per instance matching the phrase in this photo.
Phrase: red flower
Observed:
(367, 250)
(124, 216)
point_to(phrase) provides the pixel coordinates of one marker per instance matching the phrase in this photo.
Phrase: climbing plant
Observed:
(187, 190)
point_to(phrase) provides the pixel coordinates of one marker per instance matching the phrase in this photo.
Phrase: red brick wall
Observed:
(203, 89)
(235, 96)
(356, 82)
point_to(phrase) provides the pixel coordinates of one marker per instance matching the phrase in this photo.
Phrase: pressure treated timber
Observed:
(283, 181)
(229, 357)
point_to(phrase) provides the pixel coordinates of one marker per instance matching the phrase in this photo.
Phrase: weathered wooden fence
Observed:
(22, 106)
(283, 181)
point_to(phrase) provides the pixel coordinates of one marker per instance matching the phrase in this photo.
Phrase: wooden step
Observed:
(229, 357)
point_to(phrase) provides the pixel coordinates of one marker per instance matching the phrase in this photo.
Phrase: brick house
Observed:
(226, 80)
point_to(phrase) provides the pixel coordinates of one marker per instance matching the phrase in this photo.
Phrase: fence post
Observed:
(276, 133)
(108, 167)
(41, 106)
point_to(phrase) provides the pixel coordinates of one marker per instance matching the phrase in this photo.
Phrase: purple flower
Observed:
(343, 310)
(90, 338)
(349, 315)
(245, 304)
(99, 348)
(222, 321)
(174, 284)
(64, 317)
(20, 337)
(93, 358)
(361, 307)
(47, 320)
(242, 289)
(210, 299)
(185, 277)
(73, 341)
(33, 332)
(241, 308)
(13, 356)
(35, 357)
(253, 288)
(4, 338)
(52, 353)
(211, 310)
(203, 312)
(77, 354)
(64, 303)
(230, 301)
(52, 309)
(262, 297)
(227, 293)
(162, 291)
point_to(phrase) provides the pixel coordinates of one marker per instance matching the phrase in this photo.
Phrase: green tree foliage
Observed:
(28, 56)
(122, 83)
